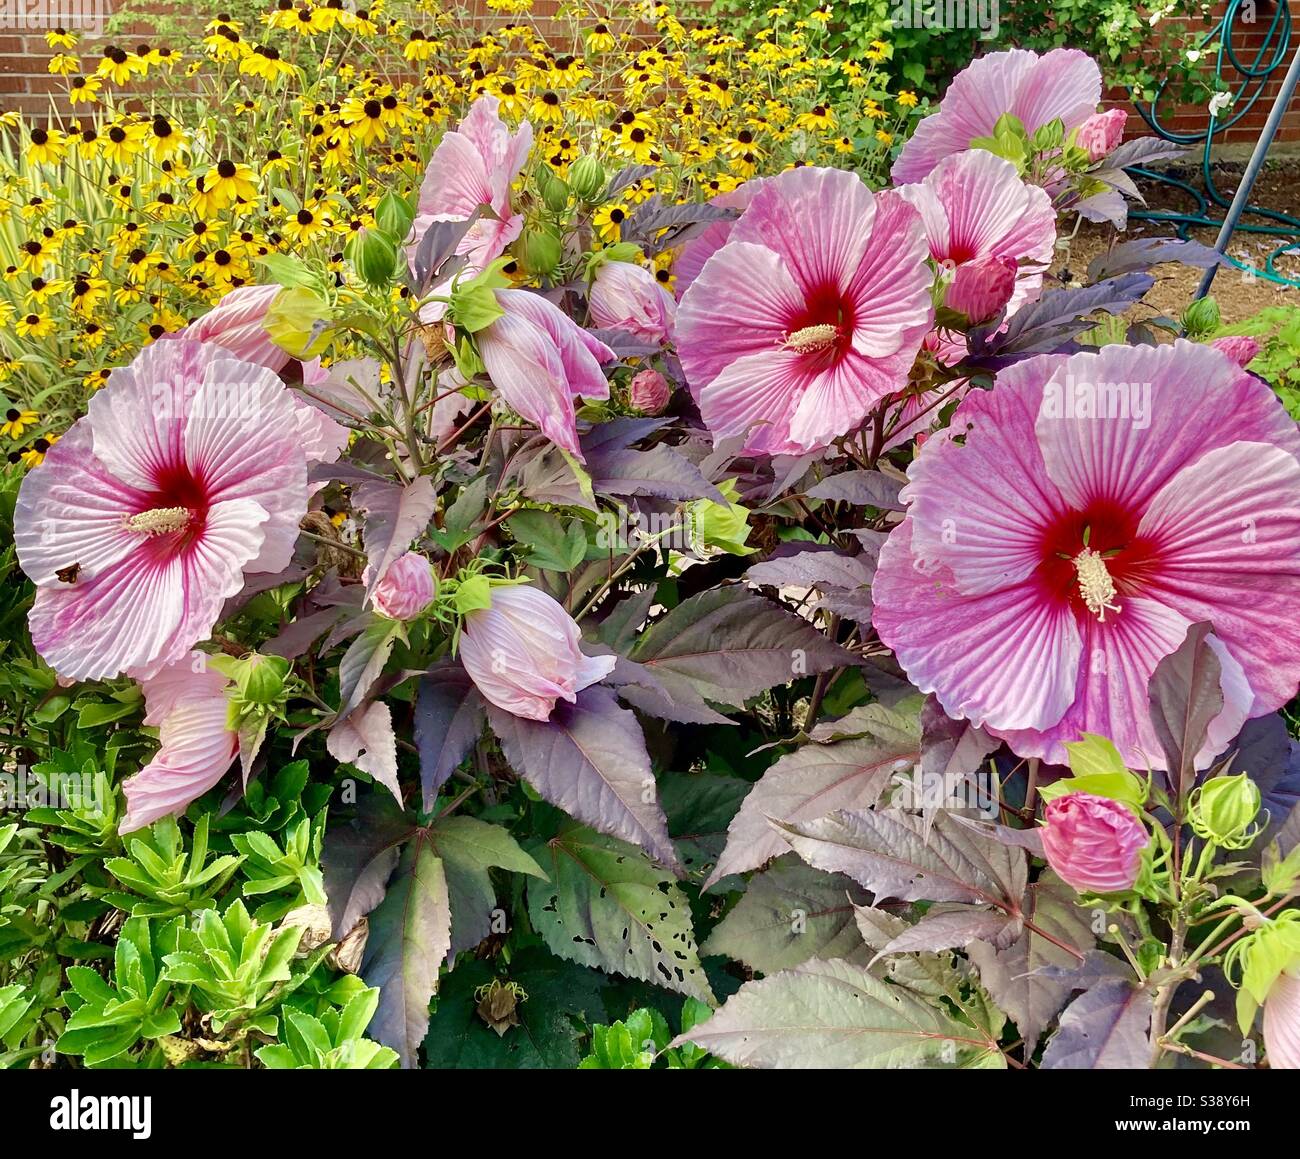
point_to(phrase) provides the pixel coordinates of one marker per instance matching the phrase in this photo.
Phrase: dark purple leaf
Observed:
(1185, 695)
(590, 760)
(660, 472)
(1143, 253)
(625, 179)
(814, 567)
(410, 935)
(1143, 151)
(861, 488)
(449, 716)
(296, 637)
(951, 750)
(619, 434)
(364, 660)
(358, 856)
(1058, 316)
(625, 344)
(1105, 1028)
(954, 929)
(394, 516)
(732, 644)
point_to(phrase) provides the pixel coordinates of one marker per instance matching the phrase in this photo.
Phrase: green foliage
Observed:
(640, 1042)
(1277, 330)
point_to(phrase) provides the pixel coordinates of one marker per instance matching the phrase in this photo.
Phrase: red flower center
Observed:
(823, 330)
(1074, 546)
(175, 514)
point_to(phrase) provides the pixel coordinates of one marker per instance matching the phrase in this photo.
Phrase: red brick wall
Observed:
(25, 84)
(1248, 41)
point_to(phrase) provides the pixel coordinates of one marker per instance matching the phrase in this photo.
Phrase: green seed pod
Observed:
(1225, 809)
(1201, 318)
(587, 178)
(374, 255)
(539, 251)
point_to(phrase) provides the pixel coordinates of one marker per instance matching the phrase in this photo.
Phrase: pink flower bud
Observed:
(1241, 349)
(1093, 843)
(650, 392)
(627, 297)
(523, 653)
(1101, 132)
(406, 589)
(237, 324)
(980, 288)
(1282, 1023)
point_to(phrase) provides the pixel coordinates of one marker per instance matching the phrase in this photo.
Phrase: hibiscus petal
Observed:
(1007, 659)
(197, 749)
(890, 287)
(981, 507)
(1239, 569)
(743, 303)
(71, 510)
(818, 221)
(525, 367)
(1148, 429)
(755, 396)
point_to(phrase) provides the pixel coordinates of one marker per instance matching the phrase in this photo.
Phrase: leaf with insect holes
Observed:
(834, 1014)
(789, 913)
(606, 905)
(1105, 1028)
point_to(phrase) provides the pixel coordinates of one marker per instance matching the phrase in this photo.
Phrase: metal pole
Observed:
(1253, 167)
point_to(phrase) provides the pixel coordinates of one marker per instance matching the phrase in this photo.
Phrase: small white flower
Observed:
(1220, 102)
(1193, 55)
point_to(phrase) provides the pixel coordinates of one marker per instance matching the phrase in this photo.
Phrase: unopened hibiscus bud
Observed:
(1224, 811)
(394, 215)
(1239, 348)
(981, 288)
(522, 653)
(554, 189)
(539, 252)
(587, 178)
(373, 254)
(1201, 318)
(627, 297)
(1101, 132)
(1094, 844)
(406, 589)
(650, 391)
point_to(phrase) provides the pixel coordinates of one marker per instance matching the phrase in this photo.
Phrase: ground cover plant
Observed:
(616, 553)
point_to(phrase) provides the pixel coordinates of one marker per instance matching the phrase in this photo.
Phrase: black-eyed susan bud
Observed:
(539, 251)
(373, 254)
(587, 178)
(1224, 811)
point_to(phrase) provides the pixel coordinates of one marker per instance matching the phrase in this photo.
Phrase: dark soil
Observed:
(1238, 295)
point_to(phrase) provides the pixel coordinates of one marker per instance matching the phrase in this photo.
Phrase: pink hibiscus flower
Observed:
(1050, 559)
(187, 472)
(1063, 83)
(196, 744)
(810, 314)
(976, 209)
(475, 165)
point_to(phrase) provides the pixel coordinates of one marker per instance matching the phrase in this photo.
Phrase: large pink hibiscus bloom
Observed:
(975, 207)
(1063, 83)
(810, 314)
(187, 472)
(475, 165)
(1050, 559)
